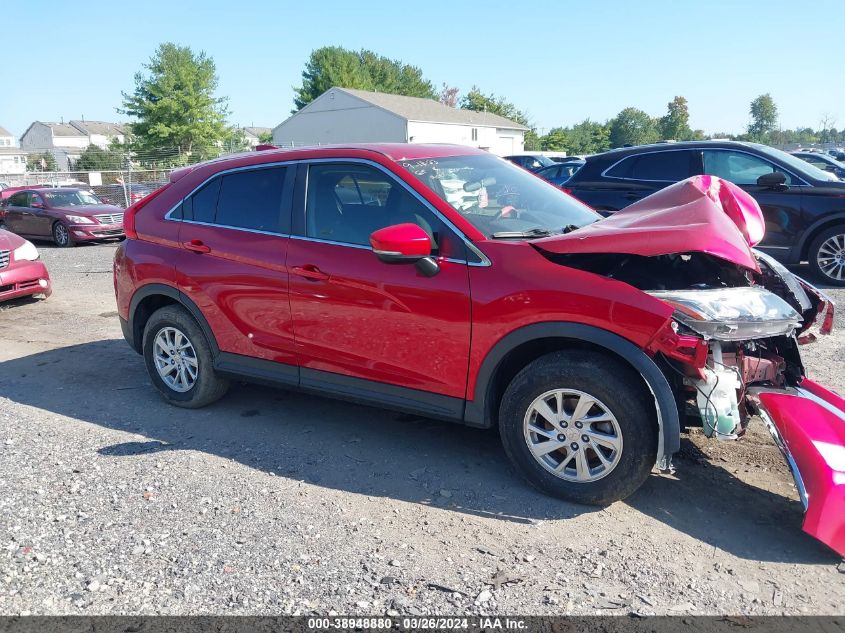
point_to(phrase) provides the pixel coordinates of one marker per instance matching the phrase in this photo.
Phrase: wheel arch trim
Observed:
(478, 412)
(154, 289)
(812, 231)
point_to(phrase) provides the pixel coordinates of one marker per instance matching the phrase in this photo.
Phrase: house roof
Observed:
(99, 127)
(257, 131)
(429, 110)
(5, 132)
(12, 151)
(60, 129)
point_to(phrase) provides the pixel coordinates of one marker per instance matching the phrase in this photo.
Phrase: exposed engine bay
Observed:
(739, 320)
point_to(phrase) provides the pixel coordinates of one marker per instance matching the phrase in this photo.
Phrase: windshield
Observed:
(798, 164)
(500, 199)
(70, 198)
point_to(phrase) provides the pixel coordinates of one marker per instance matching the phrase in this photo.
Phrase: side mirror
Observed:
(773, 180)
(405, 244)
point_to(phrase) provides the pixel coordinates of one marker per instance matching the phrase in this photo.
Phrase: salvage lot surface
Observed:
(276, 502)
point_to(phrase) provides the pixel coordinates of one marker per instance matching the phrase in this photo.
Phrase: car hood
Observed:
(701, 214)
(89, 209)
(10, 241)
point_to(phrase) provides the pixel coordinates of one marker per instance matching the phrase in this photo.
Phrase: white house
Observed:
(12, 159)
(344, 115)
(67, 141)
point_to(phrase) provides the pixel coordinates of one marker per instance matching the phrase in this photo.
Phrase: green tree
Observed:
(176, 106)
(764, 117)
(331, 66)
(675, 125)
(480, 102)
(632, 127)
(265, 137)
(95, 158)
(557, 140)
(44, 161)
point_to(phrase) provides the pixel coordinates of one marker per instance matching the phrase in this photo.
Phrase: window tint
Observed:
(549, 172)
(346, 203)
(252, 199)
(18, 199)
(738, 167)
(671, 166)
(622, 169)
(201, 206)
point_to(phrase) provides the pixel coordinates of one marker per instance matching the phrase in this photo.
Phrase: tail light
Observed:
(566, 190)
(132, 210)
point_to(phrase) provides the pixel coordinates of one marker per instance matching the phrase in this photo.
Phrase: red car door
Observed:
(364, 325)
(234, 238)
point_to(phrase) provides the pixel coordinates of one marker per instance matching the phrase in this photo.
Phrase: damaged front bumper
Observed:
(808, 425)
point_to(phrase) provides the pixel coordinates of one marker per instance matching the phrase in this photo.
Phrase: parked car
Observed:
(66, 216)
(22, 274)
(561, 172)
(804, 206)
(838, 154)
(117, 194)
(825, 162)
(531, 162)
(578, 337)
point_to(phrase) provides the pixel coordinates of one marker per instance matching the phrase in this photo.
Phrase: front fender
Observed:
(479, 410)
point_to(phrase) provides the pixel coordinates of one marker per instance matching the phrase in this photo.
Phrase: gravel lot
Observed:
(272, 502)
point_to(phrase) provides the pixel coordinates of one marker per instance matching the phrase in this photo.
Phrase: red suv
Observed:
(448, 282)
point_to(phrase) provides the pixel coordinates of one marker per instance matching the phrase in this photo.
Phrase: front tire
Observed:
(61, 236)
(826, 255)
(580, 426)
(179, 359)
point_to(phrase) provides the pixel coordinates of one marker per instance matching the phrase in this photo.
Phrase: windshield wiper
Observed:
(535, 232)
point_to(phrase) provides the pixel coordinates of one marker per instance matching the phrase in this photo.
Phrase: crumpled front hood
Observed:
(701, 214)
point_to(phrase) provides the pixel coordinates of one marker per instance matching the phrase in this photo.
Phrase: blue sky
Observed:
(561, 61)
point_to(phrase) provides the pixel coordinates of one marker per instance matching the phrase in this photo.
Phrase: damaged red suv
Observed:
(445, 281)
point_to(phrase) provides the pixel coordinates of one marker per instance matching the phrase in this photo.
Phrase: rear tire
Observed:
(61, 236)
(600, 409)
(179, 359)
(826, 255)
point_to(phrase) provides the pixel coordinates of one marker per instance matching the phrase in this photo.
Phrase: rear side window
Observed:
(663, 166)
(201, 206)
(672, 166)
(252, 199)
(18, 199)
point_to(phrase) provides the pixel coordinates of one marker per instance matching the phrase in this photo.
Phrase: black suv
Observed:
(804, 206)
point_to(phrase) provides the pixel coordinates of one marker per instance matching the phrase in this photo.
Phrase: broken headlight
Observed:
(731, 314)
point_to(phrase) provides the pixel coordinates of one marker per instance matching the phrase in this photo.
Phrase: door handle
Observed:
(310, 271)
(197, 246)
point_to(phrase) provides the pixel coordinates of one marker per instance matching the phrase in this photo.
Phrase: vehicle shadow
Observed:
(375, 452)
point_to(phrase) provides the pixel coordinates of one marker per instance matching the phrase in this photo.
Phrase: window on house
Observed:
(475, 134)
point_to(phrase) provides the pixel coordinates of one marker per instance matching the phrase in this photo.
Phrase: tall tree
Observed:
(675, 125)
(331, 66)
(632, 127)
(175, 105)
(764, 116)
(480, 102)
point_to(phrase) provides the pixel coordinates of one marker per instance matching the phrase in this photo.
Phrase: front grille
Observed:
(109, 233)
(4, 259)
(114, 218)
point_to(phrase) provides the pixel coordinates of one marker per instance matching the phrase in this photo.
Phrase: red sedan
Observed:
(22, 274)
(448, 282)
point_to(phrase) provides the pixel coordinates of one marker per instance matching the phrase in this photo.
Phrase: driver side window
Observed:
(738, 167)
(346, 202)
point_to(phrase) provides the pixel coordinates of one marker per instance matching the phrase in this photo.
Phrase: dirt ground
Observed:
(274, 502)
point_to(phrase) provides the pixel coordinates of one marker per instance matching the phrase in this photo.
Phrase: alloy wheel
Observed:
(831, 257)
(175, 359)
(573, 435)
(61, 235)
